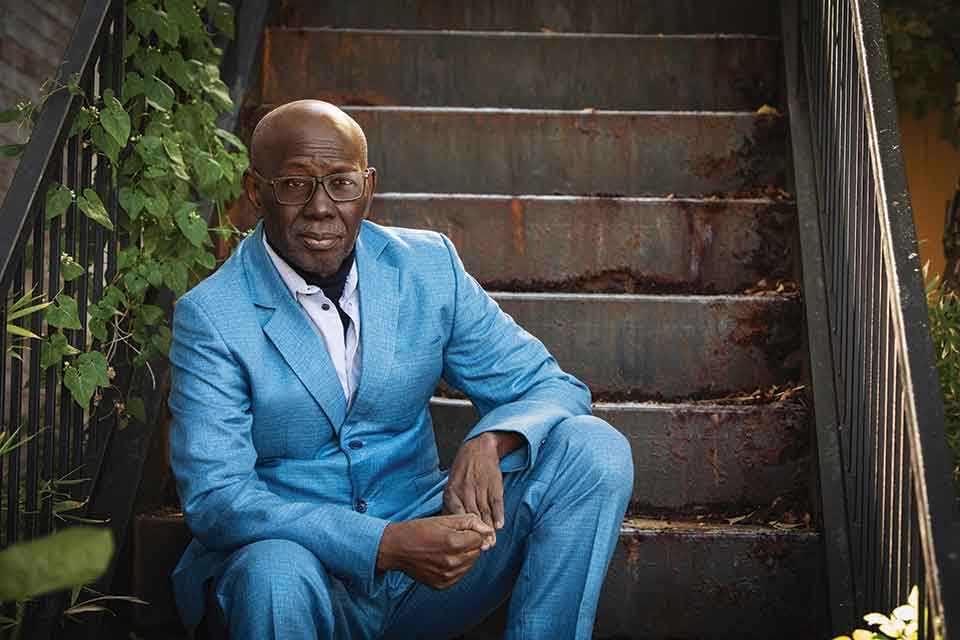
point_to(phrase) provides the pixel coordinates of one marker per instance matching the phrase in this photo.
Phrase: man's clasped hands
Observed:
(440, 550)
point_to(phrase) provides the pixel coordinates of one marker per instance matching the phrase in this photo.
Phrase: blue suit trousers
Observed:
(562, 517)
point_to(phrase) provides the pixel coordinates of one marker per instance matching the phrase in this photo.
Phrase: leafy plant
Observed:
(61, 560)
(924, 42)
(902, 623)
(944, 311)
(159, 144)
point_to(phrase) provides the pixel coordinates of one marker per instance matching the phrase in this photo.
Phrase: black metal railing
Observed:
(61, 441)
(897, 504)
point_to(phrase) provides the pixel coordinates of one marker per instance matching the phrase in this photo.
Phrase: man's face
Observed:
(314, 237)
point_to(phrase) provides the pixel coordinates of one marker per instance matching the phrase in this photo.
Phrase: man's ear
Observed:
(373, 190)
(253, 194)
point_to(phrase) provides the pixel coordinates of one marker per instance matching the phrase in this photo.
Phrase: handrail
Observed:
(901, 516)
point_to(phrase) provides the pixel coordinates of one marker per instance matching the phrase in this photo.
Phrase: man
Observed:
(302, 441)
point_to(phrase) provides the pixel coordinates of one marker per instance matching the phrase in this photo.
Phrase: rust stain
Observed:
(518, 224)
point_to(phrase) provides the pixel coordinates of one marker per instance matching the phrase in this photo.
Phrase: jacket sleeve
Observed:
(212, 453)
(514, 382)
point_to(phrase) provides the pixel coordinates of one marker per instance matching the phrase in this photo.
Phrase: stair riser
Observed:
(666, 346)
(470, 70)
(570, 153)
(661, 584)
(612, 16)
(666, 246)
(686, 456)
(712, 586)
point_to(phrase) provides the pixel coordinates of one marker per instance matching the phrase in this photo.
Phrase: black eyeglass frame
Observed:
(316, 180)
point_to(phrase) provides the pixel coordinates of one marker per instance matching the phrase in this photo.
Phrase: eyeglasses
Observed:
(299, 190)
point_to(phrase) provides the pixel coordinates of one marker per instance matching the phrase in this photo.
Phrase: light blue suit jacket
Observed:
(262, 444)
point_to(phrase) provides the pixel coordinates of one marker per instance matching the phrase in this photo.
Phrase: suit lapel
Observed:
(379, 287)
(290, 330)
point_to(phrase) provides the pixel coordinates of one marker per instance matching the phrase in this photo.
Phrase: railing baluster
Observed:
(33, 418)
(889, 413)
(13, 421)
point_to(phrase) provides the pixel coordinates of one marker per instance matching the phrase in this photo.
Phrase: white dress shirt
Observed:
(344, 350)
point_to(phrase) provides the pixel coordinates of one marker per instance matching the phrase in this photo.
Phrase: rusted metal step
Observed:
(466, 69)
(610, 153)
(666, 347)
(612, 16)
(667, 580)
(686, 456)
(637, 245)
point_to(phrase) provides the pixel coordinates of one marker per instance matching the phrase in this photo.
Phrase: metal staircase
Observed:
(642, 185)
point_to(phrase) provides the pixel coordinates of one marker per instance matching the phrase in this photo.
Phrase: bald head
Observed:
(293, 121)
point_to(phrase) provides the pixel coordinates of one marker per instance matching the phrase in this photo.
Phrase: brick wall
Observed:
(33, 36)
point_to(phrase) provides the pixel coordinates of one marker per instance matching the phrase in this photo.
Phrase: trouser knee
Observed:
(602, 454)
(276, 580)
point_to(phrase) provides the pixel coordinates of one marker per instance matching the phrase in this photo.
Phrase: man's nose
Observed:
(320, 204)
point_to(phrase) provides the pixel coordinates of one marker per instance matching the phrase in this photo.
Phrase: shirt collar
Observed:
(295, 282)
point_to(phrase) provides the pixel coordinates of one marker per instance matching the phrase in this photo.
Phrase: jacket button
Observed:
(355, 444)
(325, 306)
(361, 506)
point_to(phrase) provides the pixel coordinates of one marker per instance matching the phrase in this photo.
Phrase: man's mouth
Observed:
(319, 241)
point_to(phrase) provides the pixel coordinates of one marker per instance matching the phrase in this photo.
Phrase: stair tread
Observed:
(698, 298)
(666, 406)
(503, 33)
(719, 201)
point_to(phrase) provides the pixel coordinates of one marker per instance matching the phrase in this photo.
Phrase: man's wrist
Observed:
(502, 442)
(384, 558)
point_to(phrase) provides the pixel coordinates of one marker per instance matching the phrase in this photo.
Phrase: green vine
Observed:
(160, 144)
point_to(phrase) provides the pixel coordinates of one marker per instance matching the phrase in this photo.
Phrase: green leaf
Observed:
(220, 94)
(184, 15)
(116, 121)
(54, 349)
(98, 329)
(9, 115)
(151, 314)
(191, 224)
(69, 268)
(223, 19)
(207, 169)
(63, 313)
(73, 556)
(105, 143)
(136, 409)
(176, 277)
(88, 372)
(133, 86)
(150, 148)
(157, 205)
(132, 200)
(11, 150)
(92, 206)
(57, 200)
(153, 274)
(135, 284)
(232, 139)
(127, 257)
(81, 122)
(177, 68)
(206, 260)
(167, 29)
(159, 93)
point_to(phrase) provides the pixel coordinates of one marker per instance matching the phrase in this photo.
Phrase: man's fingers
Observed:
(465, 541)
(452, 503)
(472, 522)
(483, 506)
(496, 505)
